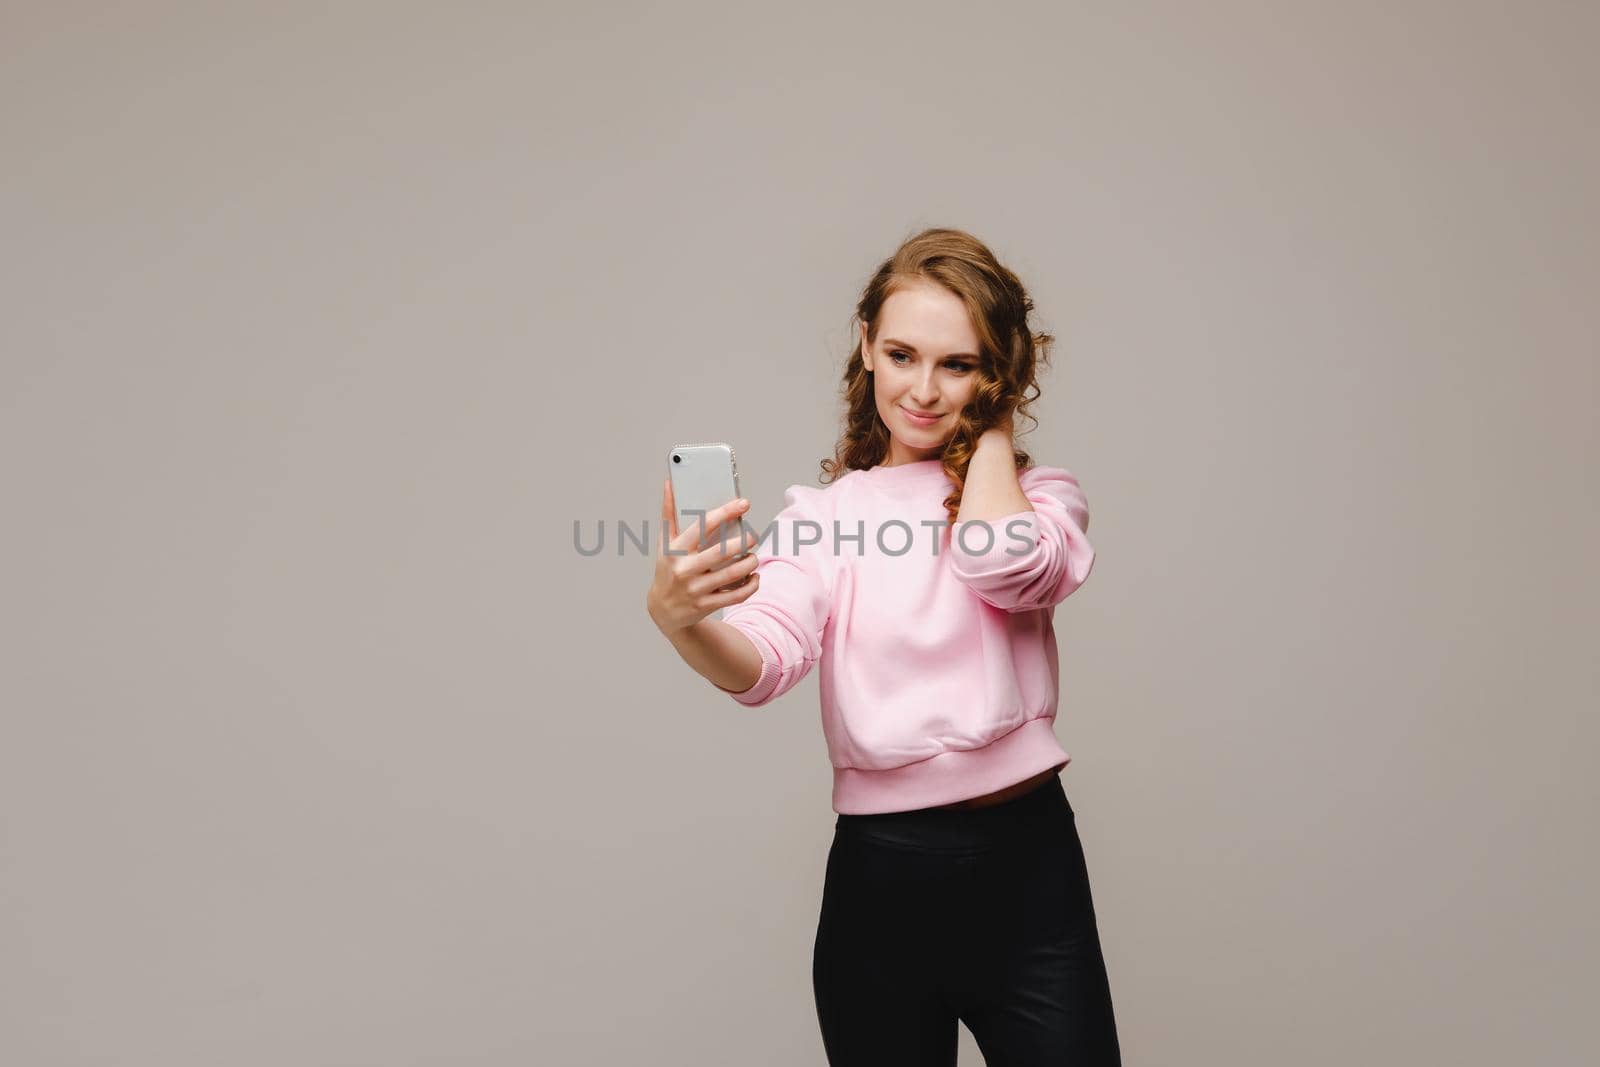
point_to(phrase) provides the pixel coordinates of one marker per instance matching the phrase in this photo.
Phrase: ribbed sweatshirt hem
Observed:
(951, 776)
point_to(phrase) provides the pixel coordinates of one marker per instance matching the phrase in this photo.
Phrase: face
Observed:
(925, 360)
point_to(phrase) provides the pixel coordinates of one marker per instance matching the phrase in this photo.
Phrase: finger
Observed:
(730, 540)
(716, 559)
(722, 581)
(666, 513)
(692, 538)
(733, 596)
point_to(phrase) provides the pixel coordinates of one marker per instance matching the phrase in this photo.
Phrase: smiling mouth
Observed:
(919, 416)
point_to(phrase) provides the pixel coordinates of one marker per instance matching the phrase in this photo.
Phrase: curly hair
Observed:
(1010, 353)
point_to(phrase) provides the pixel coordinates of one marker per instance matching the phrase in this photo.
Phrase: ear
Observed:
(866, 354)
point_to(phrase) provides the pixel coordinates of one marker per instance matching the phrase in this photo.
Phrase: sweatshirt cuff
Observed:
(762, 691)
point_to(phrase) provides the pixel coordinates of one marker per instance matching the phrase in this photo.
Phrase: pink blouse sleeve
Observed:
(786, 615)
(1036, 558)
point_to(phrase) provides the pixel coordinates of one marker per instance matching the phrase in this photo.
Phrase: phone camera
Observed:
(677, 458)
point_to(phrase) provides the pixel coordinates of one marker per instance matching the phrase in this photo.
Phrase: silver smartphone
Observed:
(705, 477)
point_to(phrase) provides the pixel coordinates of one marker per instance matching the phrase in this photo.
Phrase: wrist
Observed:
(675, 634)
(996, 438)
(655, 617)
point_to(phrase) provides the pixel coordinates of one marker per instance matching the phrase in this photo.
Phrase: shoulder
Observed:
(802, 501)
(814, 499)
(1046, 476)
(1056, 486)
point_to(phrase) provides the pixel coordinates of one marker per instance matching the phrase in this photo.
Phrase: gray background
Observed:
(321, 744)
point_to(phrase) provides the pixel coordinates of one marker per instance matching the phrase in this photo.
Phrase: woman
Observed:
(956, 886)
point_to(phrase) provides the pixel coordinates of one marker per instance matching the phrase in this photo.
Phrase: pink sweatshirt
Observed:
(938, 655)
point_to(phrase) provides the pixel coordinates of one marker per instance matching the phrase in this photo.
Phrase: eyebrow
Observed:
(913, 348)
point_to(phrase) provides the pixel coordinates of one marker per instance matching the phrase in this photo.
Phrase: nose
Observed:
(924, 392)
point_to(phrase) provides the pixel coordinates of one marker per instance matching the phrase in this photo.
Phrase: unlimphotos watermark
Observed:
(1021, 541)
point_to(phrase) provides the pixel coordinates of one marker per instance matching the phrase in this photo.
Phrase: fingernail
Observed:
(743, 503)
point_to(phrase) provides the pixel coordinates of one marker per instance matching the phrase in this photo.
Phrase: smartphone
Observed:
(705, 477)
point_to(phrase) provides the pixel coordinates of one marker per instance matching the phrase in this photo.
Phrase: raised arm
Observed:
(1038, 556)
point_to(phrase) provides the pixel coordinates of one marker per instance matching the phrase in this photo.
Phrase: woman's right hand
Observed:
(684, 588)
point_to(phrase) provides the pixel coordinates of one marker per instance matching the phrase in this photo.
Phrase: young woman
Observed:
(956, 887)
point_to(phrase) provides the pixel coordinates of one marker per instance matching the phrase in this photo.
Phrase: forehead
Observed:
(928, 316)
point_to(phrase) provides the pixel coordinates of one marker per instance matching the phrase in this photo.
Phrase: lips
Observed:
(919, 419)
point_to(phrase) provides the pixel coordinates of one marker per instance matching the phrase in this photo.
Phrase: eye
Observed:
(954, 364)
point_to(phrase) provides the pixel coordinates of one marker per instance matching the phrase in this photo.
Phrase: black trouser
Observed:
(982, 915)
